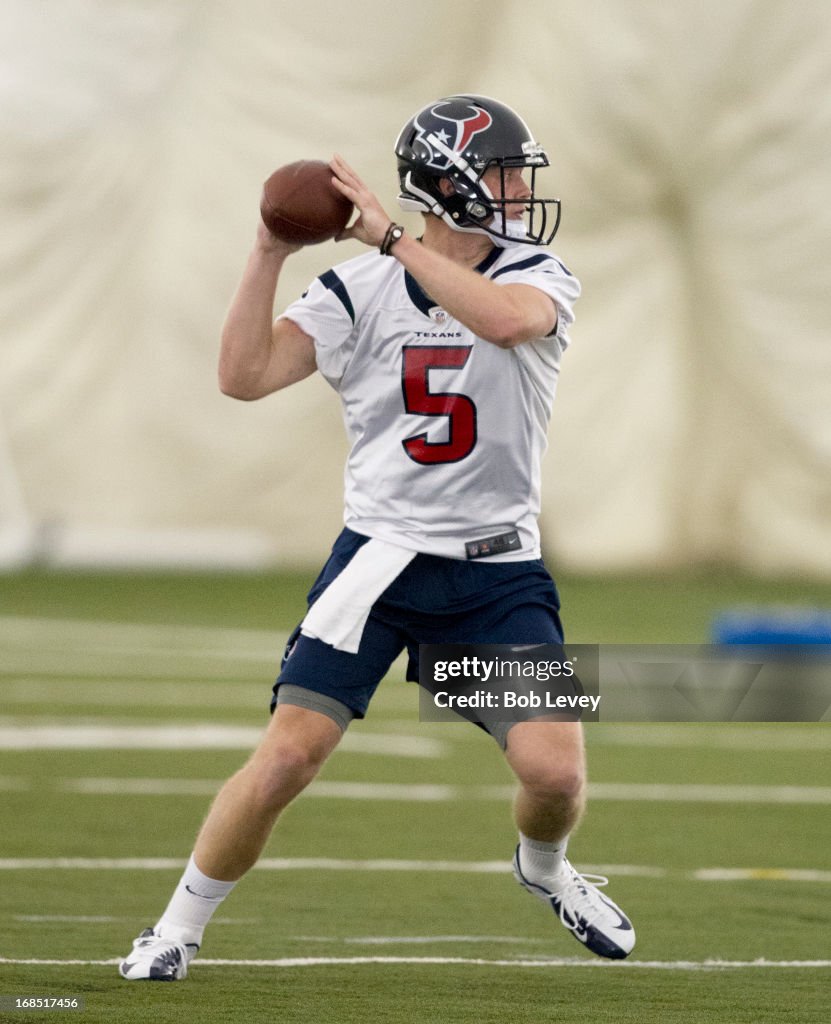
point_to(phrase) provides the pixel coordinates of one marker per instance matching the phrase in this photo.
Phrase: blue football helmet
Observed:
(459, 138)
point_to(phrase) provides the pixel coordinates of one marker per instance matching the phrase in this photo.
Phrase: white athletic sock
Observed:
(541, 862)
(192, 905)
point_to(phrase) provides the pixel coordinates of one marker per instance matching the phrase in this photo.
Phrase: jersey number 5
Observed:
(460, 410)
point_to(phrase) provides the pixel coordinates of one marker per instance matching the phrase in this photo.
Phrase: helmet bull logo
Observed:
(446, 129)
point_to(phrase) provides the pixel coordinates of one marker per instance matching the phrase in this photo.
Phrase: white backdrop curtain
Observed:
(692, 151)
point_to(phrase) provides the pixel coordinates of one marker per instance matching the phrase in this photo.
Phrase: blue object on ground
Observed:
(773, 626)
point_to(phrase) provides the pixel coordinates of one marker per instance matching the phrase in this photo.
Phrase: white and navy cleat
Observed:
(591, 917)
(156, 959)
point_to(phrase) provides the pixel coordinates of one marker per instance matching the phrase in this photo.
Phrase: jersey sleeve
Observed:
(546, 272)
(325, 312)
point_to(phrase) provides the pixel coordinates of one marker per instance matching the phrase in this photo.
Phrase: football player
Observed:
(445, 351)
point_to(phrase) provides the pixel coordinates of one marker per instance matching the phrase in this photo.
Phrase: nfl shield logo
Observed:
(438, 315)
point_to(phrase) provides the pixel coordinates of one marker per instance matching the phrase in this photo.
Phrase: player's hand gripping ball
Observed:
(300, 204)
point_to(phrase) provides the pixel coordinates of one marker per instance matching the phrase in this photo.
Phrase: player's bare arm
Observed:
(259, 356)
(505, 315)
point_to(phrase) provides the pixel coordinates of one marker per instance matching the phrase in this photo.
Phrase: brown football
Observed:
(300, 204)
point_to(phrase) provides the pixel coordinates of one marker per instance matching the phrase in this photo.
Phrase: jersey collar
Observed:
(422, 301)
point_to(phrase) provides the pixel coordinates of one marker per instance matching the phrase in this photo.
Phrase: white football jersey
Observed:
(447, 431)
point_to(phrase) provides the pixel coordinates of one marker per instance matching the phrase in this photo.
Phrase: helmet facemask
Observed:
(474, 207)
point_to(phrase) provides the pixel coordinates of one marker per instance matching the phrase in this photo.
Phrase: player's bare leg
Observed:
(549, 761)
(294, 747)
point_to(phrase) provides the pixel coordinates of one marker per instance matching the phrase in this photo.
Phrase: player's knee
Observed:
(548, 762)
(556, 780)
(297, 760)
(284, 772)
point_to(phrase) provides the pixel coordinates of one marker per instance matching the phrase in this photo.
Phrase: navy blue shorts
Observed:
(434, 601)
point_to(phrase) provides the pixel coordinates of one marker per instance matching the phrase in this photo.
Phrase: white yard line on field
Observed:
(67, 918)
(364, 743)
(334, 961)
(734, 736)
(402, 792)
(111, 736)
(443, 793)
(32, 634)
(349, 940)
(15, 783)
(705, 793)
(761, 875)
(421, 940)
(107, 919)
(54, 649)
(78, 692)
(486, 867)
(192, 736)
